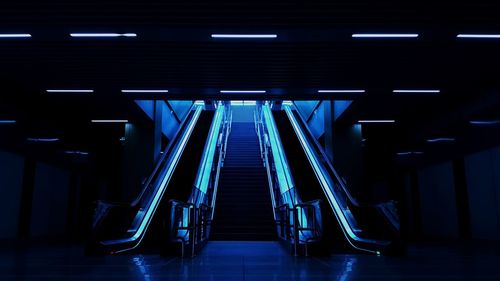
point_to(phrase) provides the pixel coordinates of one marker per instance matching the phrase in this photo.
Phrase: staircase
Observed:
(243, 209)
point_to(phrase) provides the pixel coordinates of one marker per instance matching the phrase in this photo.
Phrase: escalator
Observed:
(358, 227)
(141, 224)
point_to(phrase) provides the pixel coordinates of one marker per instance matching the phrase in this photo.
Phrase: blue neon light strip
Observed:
(15, 35)
(326, 185)
(385, 35)
(203, 178)
(8, 121)
(245, 36)
(282, 169)
(139, 234)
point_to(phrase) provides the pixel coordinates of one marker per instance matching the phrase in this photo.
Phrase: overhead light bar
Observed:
(42, 139)
(436, 140)
(243, 91)
(484, 122)
(416, 91)
(341, 91)
(69, 91)
(385, 35)
(406, 153)
(245, 36)
(8, 121)
(479, 36)
(377, 121)
(76, 152)
(102, 35)
(109, 121)
(15, 35)
(145, 91)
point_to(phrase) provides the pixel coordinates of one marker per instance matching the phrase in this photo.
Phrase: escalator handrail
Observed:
(339, 214)
(163, 156)
(139, 233)
(325, 158)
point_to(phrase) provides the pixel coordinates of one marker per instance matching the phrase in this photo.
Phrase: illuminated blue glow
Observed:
(69, 91)
(43, 139)
(109, 121)
(282, 169)
(243, 91)
(245, 36)
(76, 152)
(243, 102)
(15, 35)
(479, 36)
(342, 91)
(416, 91)
(199, 102)
(103, 35)
(287, 102)
(440, 140)
(377, 121)
(144, 91)
(484, 122)
(161, 190)
(8, 121)
(409, 153)
(385, 35)
(326, 186)
(206, 164)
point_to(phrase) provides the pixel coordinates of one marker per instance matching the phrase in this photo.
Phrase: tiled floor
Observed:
(250, 261)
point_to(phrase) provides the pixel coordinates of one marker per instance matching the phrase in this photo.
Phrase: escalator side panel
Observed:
(306, 182)
(181, 183)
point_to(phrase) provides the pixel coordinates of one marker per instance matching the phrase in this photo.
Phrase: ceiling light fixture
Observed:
(243, 91)
(102, 35)
(145, 91)
(245, 36)
(416, 91)
(484, 122)
(409, 153)
(385, 35)
(69, 91)
(436, 140)
(15, 35)
(341, 91)
(42, 139)
(479, 36)
(8, 121)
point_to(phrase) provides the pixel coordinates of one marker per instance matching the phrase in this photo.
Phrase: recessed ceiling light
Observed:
(245, 36)
(409, 153)
(440, 140)
(8, 121)
(69, 91)
(385, 35)
(243, 91)
(77, 152)
(377, 121)
(109, 121)
(341, 91)
(485, 122)
(145, 91)
(15, 35)
(416, 91)
(479, 36)
(103, 35)
(42, 139)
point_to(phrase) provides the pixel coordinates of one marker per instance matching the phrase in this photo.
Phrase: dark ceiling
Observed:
(314, 50)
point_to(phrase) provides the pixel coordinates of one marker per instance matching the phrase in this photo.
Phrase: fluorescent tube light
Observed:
(385, 35)
(69, 91)
(243, 91)
(103, 35)
(341, 91)
(440, 140)
(144, 91)
(479, 36)
(245, 36)
(15, 35)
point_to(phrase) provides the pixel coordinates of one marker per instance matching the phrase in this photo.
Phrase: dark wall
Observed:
(11, 181)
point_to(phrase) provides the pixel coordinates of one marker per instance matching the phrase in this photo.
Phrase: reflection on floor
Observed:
(249, 261)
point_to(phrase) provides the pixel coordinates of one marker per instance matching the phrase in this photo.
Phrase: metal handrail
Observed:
(147, 183)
